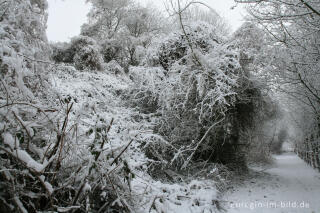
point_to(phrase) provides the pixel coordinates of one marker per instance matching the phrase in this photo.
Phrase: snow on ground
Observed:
(198, 196)
(289, 185)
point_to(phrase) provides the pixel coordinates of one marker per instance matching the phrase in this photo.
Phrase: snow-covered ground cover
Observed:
(289, 185)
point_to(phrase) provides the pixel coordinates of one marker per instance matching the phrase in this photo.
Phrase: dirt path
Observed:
(288, 186)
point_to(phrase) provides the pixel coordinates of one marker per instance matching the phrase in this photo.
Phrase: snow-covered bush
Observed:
(111, 50)
(151, 53)
(60, 52)
(147, 87)
(86, 54)
(114, 67)
(193, 96)
(204, 98)
(83, 51)
(123, 30)
(251, 39)
(200, 35)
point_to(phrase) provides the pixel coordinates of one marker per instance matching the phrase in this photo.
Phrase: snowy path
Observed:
(289, 186)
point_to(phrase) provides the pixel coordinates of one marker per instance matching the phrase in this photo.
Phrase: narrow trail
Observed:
(289, 186)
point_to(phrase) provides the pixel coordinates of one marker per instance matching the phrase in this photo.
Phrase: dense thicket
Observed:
(204, 95)
(50, 158)
(197, 80)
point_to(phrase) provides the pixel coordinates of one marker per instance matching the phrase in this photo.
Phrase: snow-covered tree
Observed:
(106, 18)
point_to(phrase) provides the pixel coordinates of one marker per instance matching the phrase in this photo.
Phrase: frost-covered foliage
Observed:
(60, 54)
(210, 16)
(123, 29)
(86, 52)
(69, 151)
(111, 49)
(83, 51)
(148, 83)
(23, 41)
(204, 93)
(106, 18)
(102, 95)
(24, 51)
(174, 49)
(197, 95)
(57, 151)
(23, 56)
(251, 39)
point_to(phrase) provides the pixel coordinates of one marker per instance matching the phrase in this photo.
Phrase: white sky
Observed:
(66, 17)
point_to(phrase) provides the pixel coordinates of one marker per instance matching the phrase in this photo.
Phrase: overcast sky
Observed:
(66, 17)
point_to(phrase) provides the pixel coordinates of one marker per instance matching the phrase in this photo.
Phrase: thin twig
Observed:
(116, 159)
(310, 7)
